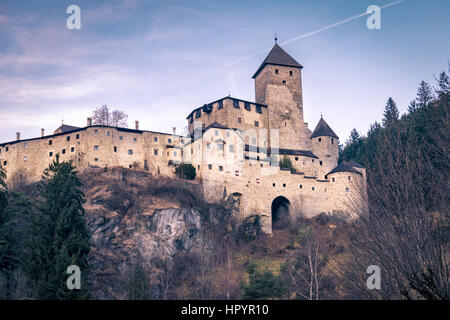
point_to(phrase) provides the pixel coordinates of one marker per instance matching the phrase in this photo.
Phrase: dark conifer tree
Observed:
(424, 94)
(390, 113)
(60, 237)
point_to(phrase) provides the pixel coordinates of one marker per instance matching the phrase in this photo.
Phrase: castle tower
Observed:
(325, 145)
(278, 84)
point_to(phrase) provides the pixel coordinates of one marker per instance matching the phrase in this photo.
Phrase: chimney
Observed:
(42, 132)
(89, 122)
(174, 130)
(17, 136)
(136, 124)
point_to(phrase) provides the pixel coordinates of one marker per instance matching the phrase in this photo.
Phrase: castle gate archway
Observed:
(280, 210)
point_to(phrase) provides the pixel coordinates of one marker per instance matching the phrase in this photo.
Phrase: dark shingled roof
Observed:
(323, 130)
(67, 128)
(344, 167)
(277, 56)
(355, 164)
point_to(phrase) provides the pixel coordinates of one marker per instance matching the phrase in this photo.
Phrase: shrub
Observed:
(285, 162)
(185, 171)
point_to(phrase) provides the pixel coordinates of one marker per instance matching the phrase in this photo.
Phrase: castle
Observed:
(235, 145)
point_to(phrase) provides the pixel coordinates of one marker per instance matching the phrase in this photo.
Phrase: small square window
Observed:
(25, 145)
(115, 149)
(261, 165)
(284, 185)
(68, 138)
(276, 71)
(5, 163)
(312, 160)
(296, 158)
(120, 137)
(50, 142)
(320, 139)
(72, 149)
(108, 133)
(130, 152)
(349, 178)
(256, 123)
(96, 147)
(25, 158)
(220, 168)
(320, 162)
(284, 81)
(300, 186)
(332, 180)
(347, 189)
(96, 131)
(77, 136)
(155, 139)
(290, 73)
(313, 188)
(273, 184)
(239, 119)
(96, 159)
(209, 166)
(63, 151)
(7, 149)
(50, 154)
(134, 139)
(169, 140)
(155, 152)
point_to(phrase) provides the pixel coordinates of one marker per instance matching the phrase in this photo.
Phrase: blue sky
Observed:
(157, 60)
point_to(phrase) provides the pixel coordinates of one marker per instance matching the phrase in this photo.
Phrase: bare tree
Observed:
(115, 118)
(165, 276)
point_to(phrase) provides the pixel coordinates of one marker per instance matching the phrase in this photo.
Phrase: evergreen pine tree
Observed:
(412, 106)
(60, 237)
(424, 94)
(444, 85)
(390, 113)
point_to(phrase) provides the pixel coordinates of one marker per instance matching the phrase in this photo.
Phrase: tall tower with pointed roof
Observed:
(278, 84)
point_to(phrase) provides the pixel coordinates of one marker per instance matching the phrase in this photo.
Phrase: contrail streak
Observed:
(232, 63)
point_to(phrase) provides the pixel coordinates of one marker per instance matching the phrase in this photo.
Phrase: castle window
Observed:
(130, 152)
(231, 148)
(198, 167)
(175, 153)
(332, 180)
(220, 146)
(167, 153)
(320, 139)
(5, 163)
(296, 158)
(50, 142)
(349, 178)
(284, 185)
(285, 124)
(220, 168)
(77, 136)
(96, 131)
(256, 123)
(130, 166)
(209, 166)
(320, 162)
(68, 138)
(191, 119)
(208, 146)
(115, 149)
(169, 140)
(239, 119)
(284, 81)
(273, 184)
(347, 189)
(134, 139)
(261, 165)
(96, 159)
(312, 160)
(236, 104)
(332, 140)
(300, 186)
(25, 145)
(258, 109)
(63, 151)
(313, 188)
(120, 137)
(220, 105)
(72, 149)
(198, 113)
(50, 154)
(247, 106)
(290, 73)
(7, 148)
(324, 189)
(155, 139)
(155, 152)
(108, 133)
(96, 147)
(276, 71)
(25, 158)
(254, 141)
(216, 132)
(182, 140)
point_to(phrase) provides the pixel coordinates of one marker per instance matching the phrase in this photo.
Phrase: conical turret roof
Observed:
(323, 130)
(277, 56)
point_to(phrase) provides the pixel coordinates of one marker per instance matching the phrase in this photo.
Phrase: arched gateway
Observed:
(281, 208)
